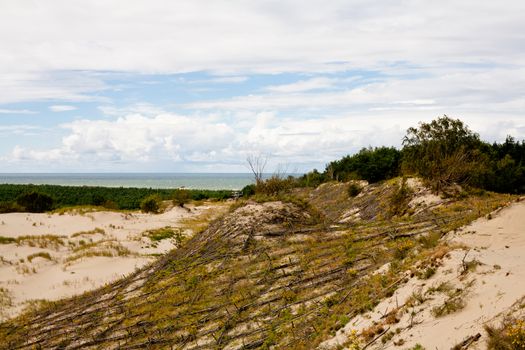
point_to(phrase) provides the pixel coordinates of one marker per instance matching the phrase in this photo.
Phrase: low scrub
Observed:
(510, 336)
(43, 255)
(165, 233)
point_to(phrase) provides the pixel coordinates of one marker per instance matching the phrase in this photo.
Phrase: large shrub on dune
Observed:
(151, 204)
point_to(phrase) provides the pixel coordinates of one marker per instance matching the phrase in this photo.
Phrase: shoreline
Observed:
(192, 181)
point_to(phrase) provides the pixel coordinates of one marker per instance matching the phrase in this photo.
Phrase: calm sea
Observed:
(209, 181)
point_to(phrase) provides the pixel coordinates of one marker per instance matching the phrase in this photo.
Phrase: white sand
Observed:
(492, 290)
(61, 277)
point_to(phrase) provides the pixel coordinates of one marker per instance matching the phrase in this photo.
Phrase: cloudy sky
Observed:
(197, 86)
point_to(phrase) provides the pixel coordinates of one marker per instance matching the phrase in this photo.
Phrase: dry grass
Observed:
(105, 248)
(198, 223)
(95, 231)
(42, 241)
(6, 301)
(43, 255)
(85, 209)
(7, 240)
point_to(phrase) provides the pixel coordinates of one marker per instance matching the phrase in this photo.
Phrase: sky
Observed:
(199, 86)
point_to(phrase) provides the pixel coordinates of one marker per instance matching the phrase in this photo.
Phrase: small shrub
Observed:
(399, 199)
(417, 347)
(165, 233)
(417, 298)
(354, 189)
(452, 304)
(274, 185)
(516, 333)
(430, 240)
(402, 248)
(248, 190)
(426, 273)
(151, 204)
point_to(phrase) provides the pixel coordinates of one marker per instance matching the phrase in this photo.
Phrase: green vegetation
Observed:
(151, 204)
(181, 197)
(286, 274)
(443, 152)
(165, 233)
(510, 336)
(15, 198)
(35, 202)
(370, 164)
(354, 189)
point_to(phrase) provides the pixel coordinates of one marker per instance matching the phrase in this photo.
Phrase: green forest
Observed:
(38, 198)
(442, 152)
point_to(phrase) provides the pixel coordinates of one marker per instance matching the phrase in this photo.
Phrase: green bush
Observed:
(151, 204)
(10, 207)
(35, 202)
(354, 189)
(274, 185)
(444, 152)
(399, 199)
(311, 179)
(248, 190)
(181, 197)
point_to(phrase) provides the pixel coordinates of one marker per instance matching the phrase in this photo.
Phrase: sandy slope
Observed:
(493, 287)
(69, 273)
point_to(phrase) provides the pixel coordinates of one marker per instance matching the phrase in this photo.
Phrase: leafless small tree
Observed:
(257, 164)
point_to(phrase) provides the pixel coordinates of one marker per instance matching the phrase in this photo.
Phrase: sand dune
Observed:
(479, 282)
(59, 255)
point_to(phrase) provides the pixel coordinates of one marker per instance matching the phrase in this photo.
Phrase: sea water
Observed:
(205, 181)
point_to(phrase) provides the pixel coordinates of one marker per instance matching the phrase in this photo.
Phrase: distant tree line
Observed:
(39, 198)
(443, 152)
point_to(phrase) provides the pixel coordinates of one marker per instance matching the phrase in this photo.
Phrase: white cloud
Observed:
(193, 143)
(136, 139)
(490, 92)
(20, 86)
(62, 108)
(304, 85)
(222, 80)
(16, 111)
(19, 129)
(239, 37)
